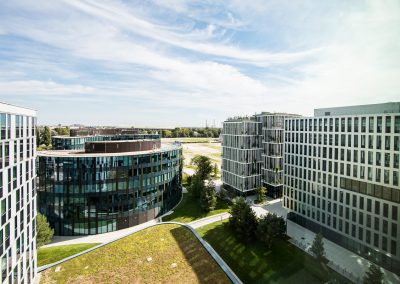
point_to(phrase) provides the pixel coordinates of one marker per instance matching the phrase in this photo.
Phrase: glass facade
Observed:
(78, 142)
(84, 194)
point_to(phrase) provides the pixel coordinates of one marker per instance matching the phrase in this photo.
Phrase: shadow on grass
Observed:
(203, 265)
(254, 263)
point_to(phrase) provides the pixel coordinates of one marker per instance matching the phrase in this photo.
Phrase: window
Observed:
(363, 124)
(379, 124)
(388, 124)
(397, 124)
(371, 125)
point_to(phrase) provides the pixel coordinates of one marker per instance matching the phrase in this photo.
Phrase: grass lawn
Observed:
(53, 254)
(161, 254)
(253, 263)
(189, 209)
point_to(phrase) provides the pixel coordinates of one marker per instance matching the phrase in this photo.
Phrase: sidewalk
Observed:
(100, 238)
(342, 260)
(208, 220)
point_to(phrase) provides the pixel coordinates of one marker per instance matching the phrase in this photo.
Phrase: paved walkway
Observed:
(345, 261)
(208, 220)
(99, 238)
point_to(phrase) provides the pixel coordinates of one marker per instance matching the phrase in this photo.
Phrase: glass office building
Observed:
(110, 186)
(17, 194)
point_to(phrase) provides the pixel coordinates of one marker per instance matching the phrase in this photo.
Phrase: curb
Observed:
(221, 263)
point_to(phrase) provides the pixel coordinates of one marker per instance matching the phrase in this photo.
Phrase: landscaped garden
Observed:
(166, 253)
(253, 262)
(54, 254)
(190, 209)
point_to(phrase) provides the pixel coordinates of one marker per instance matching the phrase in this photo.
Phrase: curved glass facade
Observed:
(91, 194)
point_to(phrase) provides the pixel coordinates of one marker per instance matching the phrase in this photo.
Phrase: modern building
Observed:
(241, 154)
(17, 194)
(108, 185)
(252, 153)
(78, 142)
(341, 178)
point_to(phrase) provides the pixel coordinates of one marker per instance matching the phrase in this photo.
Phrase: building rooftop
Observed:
(5, 107)
(82, 153)
(390, 107)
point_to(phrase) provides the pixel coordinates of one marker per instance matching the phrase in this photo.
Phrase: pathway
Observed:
(99, 238)
(208, 220)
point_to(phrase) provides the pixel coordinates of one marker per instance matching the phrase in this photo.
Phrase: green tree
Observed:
(215, 169)
(166, 133)
(208, 197)
(203, 165)
(374, 275)
(45, 136)
(38, 141)
(317, 247)
(261, 191)
(271, 228)
(197, 185)
(44, 231)
(243, 220)
(62, 130)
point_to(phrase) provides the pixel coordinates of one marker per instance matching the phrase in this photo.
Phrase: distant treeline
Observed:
(191, 132)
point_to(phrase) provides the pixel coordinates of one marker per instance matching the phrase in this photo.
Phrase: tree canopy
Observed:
(204, 166)
(208, 197)
(44, 231)
(374, 275)
(271, 228)
(243, 220)
(317, 247)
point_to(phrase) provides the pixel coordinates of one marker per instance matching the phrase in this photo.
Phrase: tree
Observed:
(166, 133)
(45, 138)
(261, 192)
(216, 169)
(374, 275)
(243, 220)
(317, 247)
(44, 231)
(208, 197)
(197, 185)
(62, 130)
(203, 165)
(271, 228)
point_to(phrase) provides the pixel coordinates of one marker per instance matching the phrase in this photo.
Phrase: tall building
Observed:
(17, 194)
(241, 154)
(252, 153)
(341, 178)
(110, 185)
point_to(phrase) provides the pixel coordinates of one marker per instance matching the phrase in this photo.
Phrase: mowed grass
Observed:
(253, 263)
(176, 257)
(190, 210)
(54, 254)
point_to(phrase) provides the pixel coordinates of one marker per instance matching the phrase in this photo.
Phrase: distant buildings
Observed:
(342, 178)
(17, 194)
(107, 184)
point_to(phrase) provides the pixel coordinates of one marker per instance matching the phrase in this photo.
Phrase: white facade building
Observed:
(241, 154)
(17, 194)
(252, 153)
(341, 178)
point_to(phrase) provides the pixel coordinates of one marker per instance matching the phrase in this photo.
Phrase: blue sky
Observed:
(179, 63)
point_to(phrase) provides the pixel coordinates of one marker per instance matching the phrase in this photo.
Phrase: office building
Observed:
(341, 178)
(17, 194)
(108, 185)
(252, 153)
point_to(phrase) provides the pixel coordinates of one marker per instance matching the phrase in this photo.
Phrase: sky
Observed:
(172, 63)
